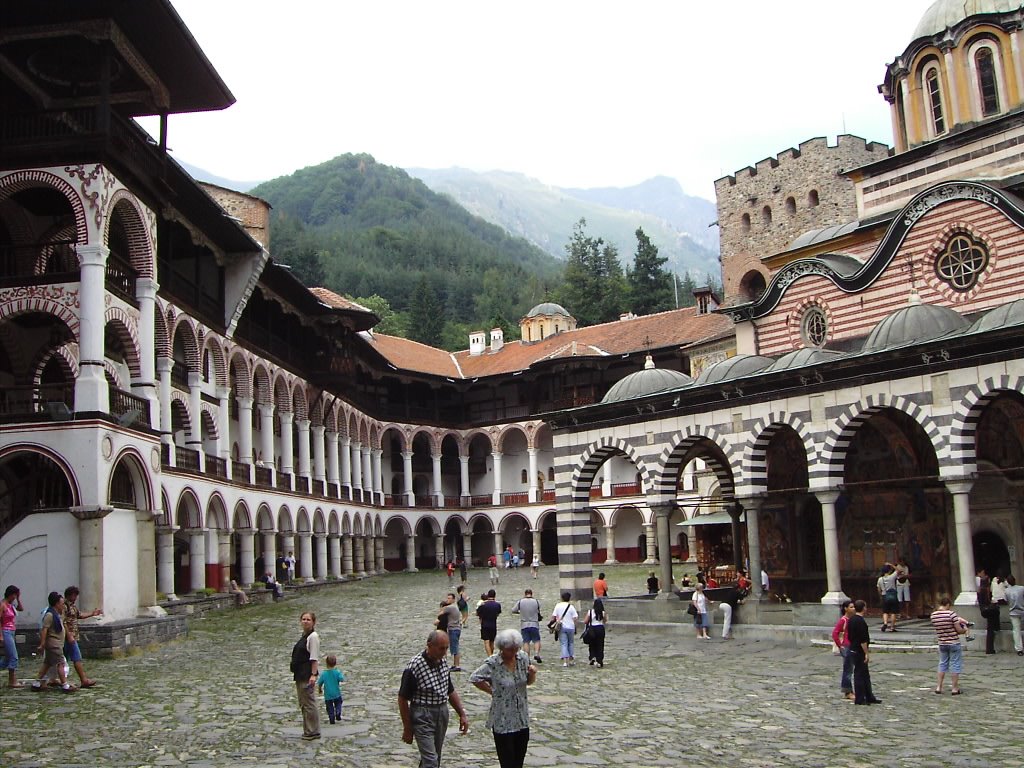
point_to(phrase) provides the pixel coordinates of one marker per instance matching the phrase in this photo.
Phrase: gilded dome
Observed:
(646, 382)
(943, 14)
(915, 323)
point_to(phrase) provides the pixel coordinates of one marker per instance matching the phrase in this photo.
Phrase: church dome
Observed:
(732, 368)
(916, 323)
(802, 357)
(548, 308)
(1005, 316)
(646, 382)
(943, 14)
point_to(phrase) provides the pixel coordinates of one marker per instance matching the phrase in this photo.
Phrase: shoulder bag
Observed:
(555, 625)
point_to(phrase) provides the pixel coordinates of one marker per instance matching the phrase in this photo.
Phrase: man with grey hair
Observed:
(423, 699)
(528, 608)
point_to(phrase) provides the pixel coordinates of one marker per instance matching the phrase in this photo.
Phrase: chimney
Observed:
(497, 339)
(707, 301)
(477, 342)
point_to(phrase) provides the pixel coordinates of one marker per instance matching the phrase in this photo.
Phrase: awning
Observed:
(713, 518)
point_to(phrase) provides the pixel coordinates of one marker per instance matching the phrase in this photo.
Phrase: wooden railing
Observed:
(39, 264)
(264, 477)
(515, 498)
(481, 500)
(425, 501)
(625, 489)
(595, 492)
(19, 401)
(216, 466)
(284, 481)
(120, 280)
(548, 496)
(239, 472)
(186, 458)
(125, 404)
(318, 487)
(452, 502)
(332, 490)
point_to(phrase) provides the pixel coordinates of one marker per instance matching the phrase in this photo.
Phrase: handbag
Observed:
(555, 625)
(585, 637)
(691, 609)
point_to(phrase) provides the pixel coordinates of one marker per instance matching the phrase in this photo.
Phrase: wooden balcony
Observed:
(186, 458)
(216, 466)
(548, 496)
(481, 500)
(264, 477)
(240, 472)
(33, 403)
(515, 498)
(128, 408)
(625, 489)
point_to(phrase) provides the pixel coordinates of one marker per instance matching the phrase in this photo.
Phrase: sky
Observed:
(574, 94)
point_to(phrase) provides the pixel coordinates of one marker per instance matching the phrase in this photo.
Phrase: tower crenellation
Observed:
(764, 207)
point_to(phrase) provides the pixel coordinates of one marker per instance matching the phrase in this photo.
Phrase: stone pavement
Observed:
(223, 697)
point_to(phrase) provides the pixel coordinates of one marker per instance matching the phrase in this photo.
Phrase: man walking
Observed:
(492, 565)
(488, 612)
(528, 608)
(860, 639)
(600, 586)
(423, 699)
(454, 616)
(1015, 602)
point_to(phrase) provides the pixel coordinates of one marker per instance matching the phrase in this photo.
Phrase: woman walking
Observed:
(8, 621)
(505, 677)
(701, 619)
(565, 614)
(305, 671)
(841, 637)
(596, 621)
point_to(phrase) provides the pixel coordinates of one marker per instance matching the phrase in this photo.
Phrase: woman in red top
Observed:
(841, 638)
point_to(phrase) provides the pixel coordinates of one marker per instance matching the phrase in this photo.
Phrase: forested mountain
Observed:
(364, 229)
(676, 223)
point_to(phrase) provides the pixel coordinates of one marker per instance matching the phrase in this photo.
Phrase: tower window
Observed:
(988, 88)
(766, 215)
(931, 84)
(812, 199)
(790, 206)
(745, 222)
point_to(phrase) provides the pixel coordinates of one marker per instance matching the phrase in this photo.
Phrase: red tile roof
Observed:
(332, 299)
(678, 327)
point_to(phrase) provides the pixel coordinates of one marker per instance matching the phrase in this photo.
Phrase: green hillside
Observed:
(364, 229)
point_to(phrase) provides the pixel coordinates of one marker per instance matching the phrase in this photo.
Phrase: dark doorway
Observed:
(990, 553)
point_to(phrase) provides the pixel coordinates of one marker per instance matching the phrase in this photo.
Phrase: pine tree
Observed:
(426, 315)
(650, 285)
(593, 287)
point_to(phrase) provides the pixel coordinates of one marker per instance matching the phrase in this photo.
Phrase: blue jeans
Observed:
(10, 651)
(846, 679)
(454, 635)
(567, 637)
(333, 708)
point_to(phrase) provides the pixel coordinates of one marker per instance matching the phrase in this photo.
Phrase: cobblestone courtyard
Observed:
(223, 697)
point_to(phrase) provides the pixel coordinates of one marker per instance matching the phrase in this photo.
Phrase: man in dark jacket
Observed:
(860, 639)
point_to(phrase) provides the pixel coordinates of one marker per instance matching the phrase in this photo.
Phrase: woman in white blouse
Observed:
(702, 620)
(504, 677)
(566, 613)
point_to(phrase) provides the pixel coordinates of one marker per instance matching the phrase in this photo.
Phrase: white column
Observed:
(752, 507)
(609, 543)
(269, 553)
(163, 369)
(345, 454)
(197, 558)
(536, 541)
(346, 554)
(165, 561)
(358, 555)
(333, 465)
(467, 547)
(662, 515)
(223, 425)
(438, 492)
(224, 559)
(378, 474)
(378, 553)
(439, 558)
(287, 465)
(194, 440)
(91, 393)
(368, 556)
(367, 476)
(652, 544)
(960, 490)
(247, 564)
(834, 594)
(145, 385)
(464, 478)
(410, 497)
(321, 557)
(334, 555)
(499, 546)
(245, 436)
(303, 428)
(532, 493)
(306, 556)
(357, 472)
(410, 553)
(496, 498)
(267, 436)
(319, 452)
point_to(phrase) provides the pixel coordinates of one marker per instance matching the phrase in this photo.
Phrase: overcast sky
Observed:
(572, 93)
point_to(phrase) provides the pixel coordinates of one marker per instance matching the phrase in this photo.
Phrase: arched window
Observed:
(766, 215)
(988, 84)
(812, 199)
(790, 206)
(745, 222)
(933, 96)
(524, 478)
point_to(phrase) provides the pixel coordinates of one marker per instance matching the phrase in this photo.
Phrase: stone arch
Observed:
(330, 417)
(282, 393)
(357, 525)
(189, 339)
(395, 429)
(125, 328)
(284, 520)
(833, 453)
(114, 375)
(333, 523)
(241, 520)
(402, 523)
(66, 356)
(432, 523)
(125, 205)
(674, 457)
(135, 464)
(963, 432)
(507, 518)
(65, 309)
(346, 524)
(164, 515)
(319, 523)
(216, 512)
(238, 365)
(594, 456)
(302, 523)
(188, 512)
(220, 369)
(263, 393)
(161, 339)
(471, 523)
(265, 518)
(20, 180)
(499, 442)
(315, 410)
(755, 466)
(180, 407)
(473, 433)
(208, 421)
(58, 460)
(458, 522)
(300, 406)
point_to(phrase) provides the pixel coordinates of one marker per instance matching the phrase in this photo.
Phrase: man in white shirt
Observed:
(1015, 602)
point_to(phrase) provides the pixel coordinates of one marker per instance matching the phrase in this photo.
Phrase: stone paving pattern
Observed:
(223, 697)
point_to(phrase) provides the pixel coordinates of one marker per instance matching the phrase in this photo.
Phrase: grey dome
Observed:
(943, 14)
(548, 308)
(802, 357)
(732, 368)
(646, 382)
(918, 322)
(1005, 316)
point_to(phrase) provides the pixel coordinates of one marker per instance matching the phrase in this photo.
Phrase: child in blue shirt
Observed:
(329, 683)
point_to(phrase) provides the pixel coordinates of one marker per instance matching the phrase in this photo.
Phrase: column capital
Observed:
(92, 255)
(164, 364)
(303, 423)
(826, 495)
(146, 288)
(222, 393)
(93, 512)
(193, 378)
(959, 485)
(285, 417)
(665, 508)
(318, 429)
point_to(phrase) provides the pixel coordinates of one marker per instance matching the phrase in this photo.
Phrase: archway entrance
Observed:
(991, 553)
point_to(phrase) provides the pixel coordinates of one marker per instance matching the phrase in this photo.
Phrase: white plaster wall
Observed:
(40, 555)
(120, 566)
